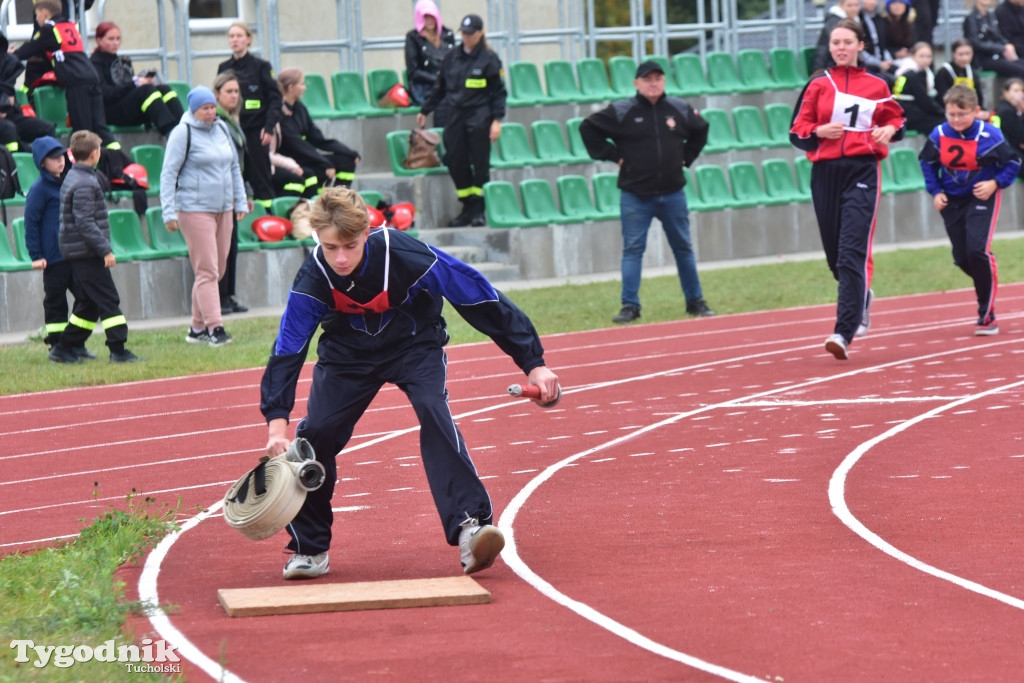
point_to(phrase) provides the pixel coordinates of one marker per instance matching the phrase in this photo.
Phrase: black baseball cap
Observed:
(647, 67)
(471, 23)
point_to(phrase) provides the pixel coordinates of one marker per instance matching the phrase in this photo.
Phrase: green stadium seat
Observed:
(721, 137)
(50, 105)
(182, 89)
(561, 81)
(593, 80)
(807, 57)
(723, 76)
(539, 202)
(502, 206)
(550, 144)
(28, 173)
(778, 117)
(779, 182)
(713, 187)
(690, 75)
(398, 149)
(167, 243)
(745, 180)
(753, 69)
(803, 174)
(575, 200)
(526, 88)
(126, 239)
(350, 95)
(247, 239)
(889, 185)
(317, 99)
(906, 170)
(372, 197)
(787, 68)
(280, 206)
(151, 158)
(750, 129)
(576, 146)
(693, 201)
(607, 194)
(20, 248)
(621, 74)
(378, 82)
(513, 148)
(9, 261)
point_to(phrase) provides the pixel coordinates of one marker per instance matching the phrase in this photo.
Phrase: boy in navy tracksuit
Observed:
(966, 163)
(378, 295)
(42, 231)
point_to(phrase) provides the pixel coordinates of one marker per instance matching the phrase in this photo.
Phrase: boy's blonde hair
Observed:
(84, 143)
(961, 97)
(341, 209)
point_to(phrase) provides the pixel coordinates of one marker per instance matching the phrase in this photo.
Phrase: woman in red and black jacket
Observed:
(844, 121)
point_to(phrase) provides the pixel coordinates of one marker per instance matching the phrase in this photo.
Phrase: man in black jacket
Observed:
(651, 137)
(1010, 15)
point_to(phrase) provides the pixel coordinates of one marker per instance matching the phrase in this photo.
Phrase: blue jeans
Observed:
(637, 213)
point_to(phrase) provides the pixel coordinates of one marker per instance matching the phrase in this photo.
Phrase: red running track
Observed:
(713, 499)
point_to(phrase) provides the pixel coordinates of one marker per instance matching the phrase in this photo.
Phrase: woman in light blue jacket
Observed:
(200, 186)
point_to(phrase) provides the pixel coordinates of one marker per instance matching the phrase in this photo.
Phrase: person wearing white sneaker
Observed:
(307, 566)
(378, 295)
(845, 118)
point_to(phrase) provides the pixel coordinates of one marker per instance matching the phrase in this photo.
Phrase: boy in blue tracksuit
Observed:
(966, 163)
(42, 230)
(378, 295)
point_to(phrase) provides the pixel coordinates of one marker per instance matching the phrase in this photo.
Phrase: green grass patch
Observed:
(69, 595)
(565, 308)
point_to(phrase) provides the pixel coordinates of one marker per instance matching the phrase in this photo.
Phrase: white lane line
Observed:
(162, 623)
(837, 497)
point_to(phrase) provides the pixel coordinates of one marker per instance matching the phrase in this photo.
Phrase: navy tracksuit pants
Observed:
(342, 390)
(970, 224)
(845, 193)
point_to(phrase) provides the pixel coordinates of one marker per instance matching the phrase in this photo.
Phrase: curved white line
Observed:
(837, 497)
(161, 623)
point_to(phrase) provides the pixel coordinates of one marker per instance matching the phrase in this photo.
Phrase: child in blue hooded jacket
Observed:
(42, 229)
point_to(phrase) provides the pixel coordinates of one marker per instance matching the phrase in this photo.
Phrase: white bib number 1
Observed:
(855, 113)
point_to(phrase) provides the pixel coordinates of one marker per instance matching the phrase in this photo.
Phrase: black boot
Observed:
(464, 218)
(479, 218)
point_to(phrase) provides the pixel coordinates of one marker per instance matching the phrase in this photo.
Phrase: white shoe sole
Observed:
(836, 349)
(485, 547)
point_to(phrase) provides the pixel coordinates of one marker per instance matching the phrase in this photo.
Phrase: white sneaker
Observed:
(836, 345)
(306, 566)
(479, 545)
(865, 321)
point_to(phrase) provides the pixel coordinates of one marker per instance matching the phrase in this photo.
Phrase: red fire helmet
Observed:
(271, 228)
(138, 173)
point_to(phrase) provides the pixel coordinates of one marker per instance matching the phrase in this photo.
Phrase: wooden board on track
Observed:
(307, 598)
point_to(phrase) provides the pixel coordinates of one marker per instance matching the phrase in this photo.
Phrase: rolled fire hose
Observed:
(268, 497)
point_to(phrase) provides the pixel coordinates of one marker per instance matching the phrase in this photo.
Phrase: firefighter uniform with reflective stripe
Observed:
(84, 242)
(260, 112)
(953, 163)
(471, 84)
(59, 41)
(128, 104)
(304, 142)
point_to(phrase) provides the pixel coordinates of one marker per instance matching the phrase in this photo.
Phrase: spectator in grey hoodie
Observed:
(200, 187)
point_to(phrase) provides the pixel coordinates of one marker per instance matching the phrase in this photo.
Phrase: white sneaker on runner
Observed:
(479, 545)
(836, 345)
(865, 321)
(306, 566)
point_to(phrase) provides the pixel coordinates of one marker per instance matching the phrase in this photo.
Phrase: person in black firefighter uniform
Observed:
(130, 99)
(61, 43)
(261, 108)
(471, 80)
